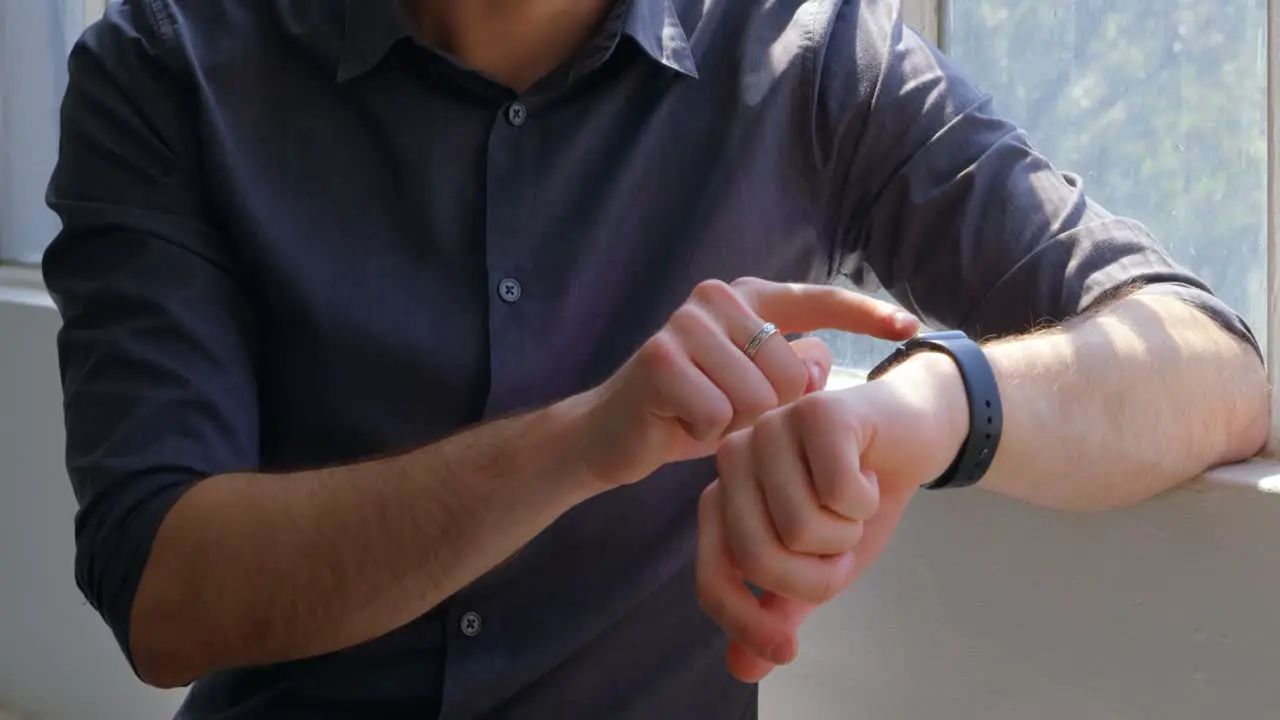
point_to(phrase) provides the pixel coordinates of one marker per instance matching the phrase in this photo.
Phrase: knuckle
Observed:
(711, 292)
(774, 422)
(775, 429)
(851, 495)
(733, 446)
(837, 491)
(661, 352)
(755, 562)
(701, 431)
(708, 420)
(859, 493)
(812, 413)
(713, 418)
(796, 533)
(822, 413)
(827, 489)
(688, 318)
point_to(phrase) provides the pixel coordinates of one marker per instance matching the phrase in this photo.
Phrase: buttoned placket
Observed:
(473, 619)
(511, 179)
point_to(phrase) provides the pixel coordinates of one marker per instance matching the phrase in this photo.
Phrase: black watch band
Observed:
(986, 417)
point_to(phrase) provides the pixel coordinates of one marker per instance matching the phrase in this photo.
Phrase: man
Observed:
(402, 341)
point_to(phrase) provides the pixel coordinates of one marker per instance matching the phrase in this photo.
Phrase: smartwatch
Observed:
(986, 418)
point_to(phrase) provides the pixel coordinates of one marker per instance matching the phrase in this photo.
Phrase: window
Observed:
(1160, 105)
(34, 40)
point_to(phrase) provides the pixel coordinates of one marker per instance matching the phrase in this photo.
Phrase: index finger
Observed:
(801, 308)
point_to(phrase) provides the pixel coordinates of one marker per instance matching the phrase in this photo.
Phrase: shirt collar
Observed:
(656, 28)
(372, 27)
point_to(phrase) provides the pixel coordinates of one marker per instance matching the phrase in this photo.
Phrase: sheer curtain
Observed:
(35, 36)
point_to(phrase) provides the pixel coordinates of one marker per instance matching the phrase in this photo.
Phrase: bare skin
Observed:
(516, 42)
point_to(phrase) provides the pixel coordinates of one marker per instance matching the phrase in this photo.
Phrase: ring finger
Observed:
(761, 343)
(747, 389)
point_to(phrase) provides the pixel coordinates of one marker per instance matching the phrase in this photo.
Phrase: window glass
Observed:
(1160, 105)
(34, 40)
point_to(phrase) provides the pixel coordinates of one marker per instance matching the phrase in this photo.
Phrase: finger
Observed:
(832, 440)
(754, 545)
(785, 372)
(879, 529)
(721, 591)
(787, 615)
(749, 667)
(683, 391)
(798, 307)
(800, 521)
(705, 340)
(815, 354)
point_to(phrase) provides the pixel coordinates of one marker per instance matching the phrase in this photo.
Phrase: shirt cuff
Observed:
(114, 536)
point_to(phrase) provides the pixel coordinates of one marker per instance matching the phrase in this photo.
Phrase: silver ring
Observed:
(753, 346)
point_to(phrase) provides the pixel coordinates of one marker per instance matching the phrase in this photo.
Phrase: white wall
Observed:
(982, 609)
(57, 659)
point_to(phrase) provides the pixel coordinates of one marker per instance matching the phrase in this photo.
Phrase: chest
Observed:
(494, 253)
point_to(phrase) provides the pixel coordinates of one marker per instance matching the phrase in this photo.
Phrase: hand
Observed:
(809, 496)
(692, 383)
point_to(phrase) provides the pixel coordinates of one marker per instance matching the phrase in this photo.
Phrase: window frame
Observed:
(1273, 220)
(925, 17)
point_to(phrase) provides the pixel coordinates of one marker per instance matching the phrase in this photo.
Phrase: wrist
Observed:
(933, 383)
(559, 434)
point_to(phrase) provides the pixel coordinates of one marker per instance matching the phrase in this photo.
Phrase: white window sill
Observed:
(24, 286)
(21, 285)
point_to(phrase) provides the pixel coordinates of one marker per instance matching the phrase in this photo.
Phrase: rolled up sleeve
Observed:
(950, 207)
(156, 349)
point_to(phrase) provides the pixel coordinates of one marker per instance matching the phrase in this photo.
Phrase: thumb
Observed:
(817, 358)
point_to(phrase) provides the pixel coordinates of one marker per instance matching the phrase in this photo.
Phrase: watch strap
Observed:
(986, 416)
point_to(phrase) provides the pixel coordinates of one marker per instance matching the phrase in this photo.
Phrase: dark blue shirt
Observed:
(295, 237)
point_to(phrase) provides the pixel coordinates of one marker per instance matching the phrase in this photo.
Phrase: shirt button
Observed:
(470, 624)
(509, 290)
(517, 113)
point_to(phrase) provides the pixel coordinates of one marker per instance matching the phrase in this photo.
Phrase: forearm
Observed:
(1123, 404)
(253, 569)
